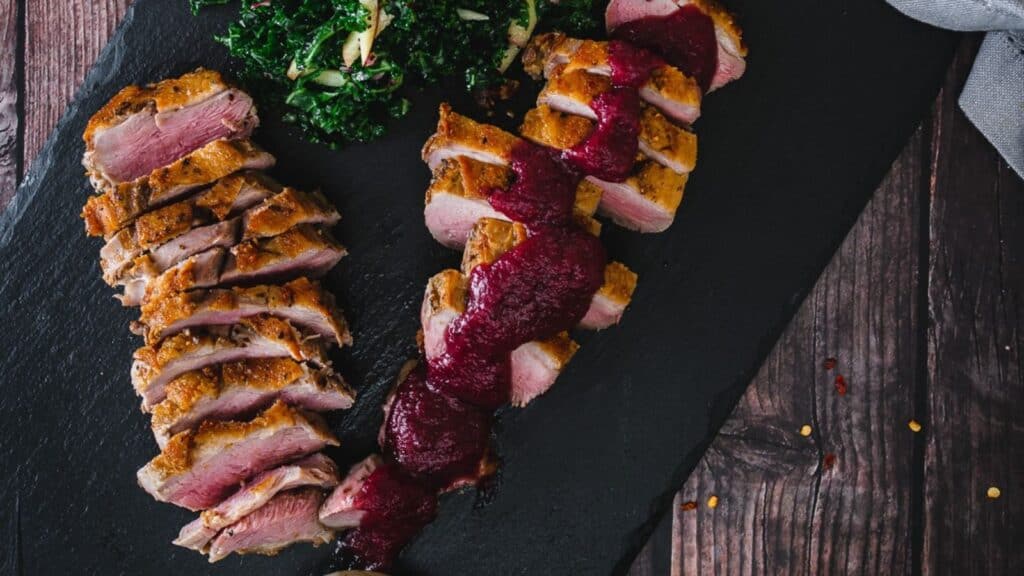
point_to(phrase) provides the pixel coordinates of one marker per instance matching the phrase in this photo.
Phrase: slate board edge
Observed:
(727, 401)
(25, 194)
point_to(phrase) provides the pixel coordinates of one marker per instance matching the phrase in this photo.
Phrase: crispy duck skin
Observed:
(236, 389)
(731, 49)
(555, 55)
(286, 210)
(154, 367)
(199, 271)
(288, 518)
(458, 135)
(305, 250)
(568, 120)
(302, 302)
(198, 469)
(458, 192)
(117, 207)
(316, 470)
(144, 128)
(227, 198)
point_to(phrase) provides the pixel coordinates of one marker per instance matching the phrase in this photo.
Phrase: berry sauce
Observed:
(438, 426)
(396, 508)
(685, 38)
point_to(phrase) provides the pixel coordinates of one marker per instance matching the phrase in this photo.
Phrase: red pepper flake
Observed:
(829, 363)
(828, 461)
(688, 506)
(841, 384)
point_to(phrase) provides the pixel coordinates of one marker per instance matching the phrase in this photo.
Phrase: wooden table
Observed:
(922, 309)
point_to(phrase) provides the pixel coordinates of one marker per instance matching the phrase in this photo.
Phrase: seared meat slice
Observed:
(117, 207)
(227, 198)
(458, 197)
(646, 201)
(731, 50)
(316, 470)
(154, 367)
(274, 216)
(142, 129)
(198, 469)
(492, 238)
(286, 210)
(535, 365)
(305, 250)
(236, 389)
(289, 518)
(555, 55)
(144, 278)
(302, 302)
(340, 511)
(611, 300)
(660, 140)
(458, 135)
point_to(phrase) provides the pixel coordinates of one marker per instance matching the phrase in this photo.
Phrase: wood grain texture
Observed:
(62, 40)
(9, 129)
(975, 434)
(782, 509)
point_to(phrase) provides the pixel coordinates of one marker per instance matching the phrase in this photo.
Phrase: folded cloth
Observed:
(993, 98)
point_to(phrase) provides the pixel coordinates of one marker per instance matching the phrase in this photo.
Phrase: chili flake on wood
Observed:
(840, 385)
(828, 461)
(688, 506)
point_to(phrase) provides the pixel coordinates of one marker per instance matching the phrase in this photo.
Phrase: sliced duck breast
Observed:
(458, 197)
(197, 470)
(727, 58)
(316, 470)
(340, 510)
(237, 389)
(556, 126)
(289, 209)
(305, 250)
(154, 367)
(289, 518)
(646, 201)
(458, 135)
(302, 302)
(227, 198)
(145, 278)
(118, 206)
(555, 55)
(144, 128)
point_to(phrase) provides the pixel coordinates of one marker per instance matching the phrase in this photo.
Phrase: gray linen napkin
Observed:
(993, 98)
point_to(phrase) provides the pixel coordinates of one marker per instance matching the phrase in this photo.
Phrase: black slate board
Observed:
(788, 157)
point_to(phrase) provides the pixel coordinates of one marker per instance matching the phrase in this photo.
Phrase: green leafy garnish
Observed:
(291, 53)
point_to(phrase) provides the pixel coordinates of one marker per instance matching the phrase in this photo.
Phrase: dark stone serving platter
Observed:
(789, 156)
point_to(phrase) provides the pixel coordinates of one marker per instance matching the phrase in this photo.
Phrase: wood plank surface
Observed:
(10, 152)
(62, 39)
(975, 396)
(784, 505)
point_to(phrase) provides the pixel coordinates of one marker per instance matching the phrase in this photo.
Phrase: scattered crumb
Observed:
(712, 501)
(829, 363)
(993, 492)
(828, 461)
(688, 506)
(841, 384)
(805, 430)
(914, 425)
